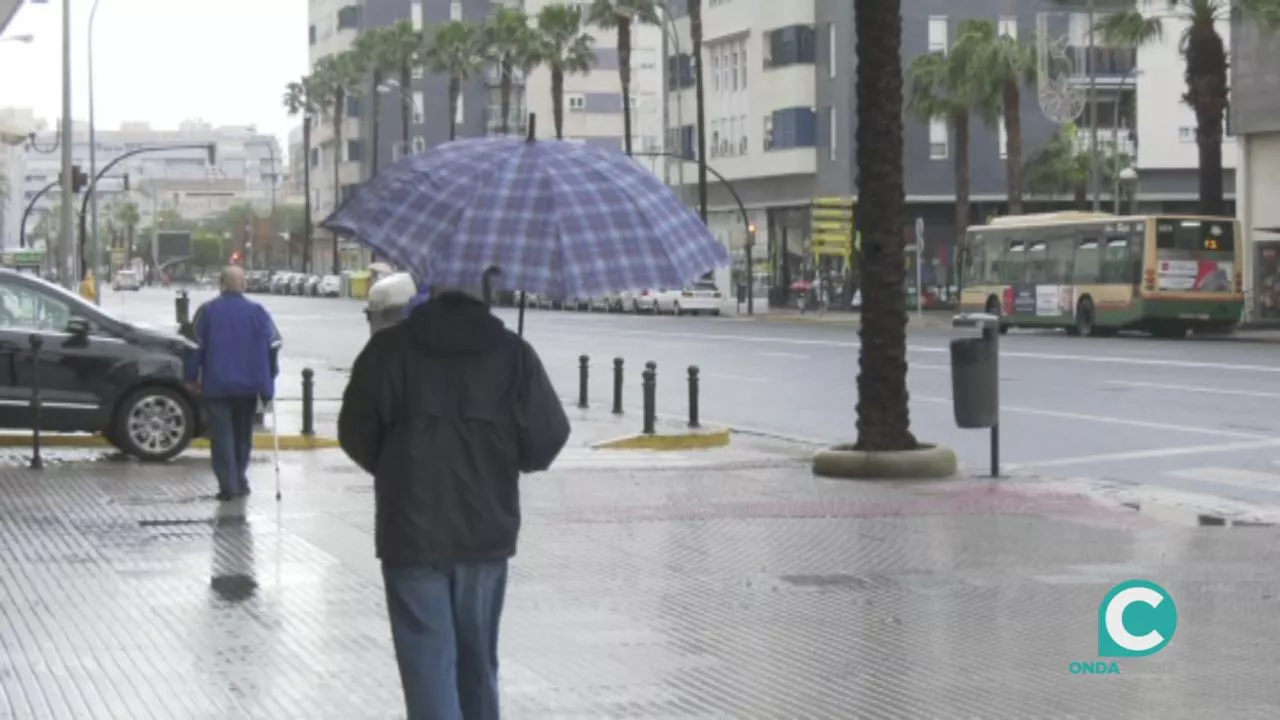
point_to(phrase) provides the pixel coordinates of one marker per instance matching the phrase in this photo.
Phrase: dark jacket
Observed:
(236, 339)
(445, 410)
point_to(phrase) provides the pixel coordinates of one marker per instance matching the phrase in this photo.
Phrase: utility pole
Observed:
(1095, 167)
(67, 221)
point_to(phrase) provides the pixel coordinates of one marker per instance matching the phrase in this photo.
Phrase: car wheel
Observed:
(154, 423)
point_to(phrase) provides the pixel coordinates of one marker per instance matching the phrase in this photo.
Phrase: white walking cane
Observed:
(275, 435)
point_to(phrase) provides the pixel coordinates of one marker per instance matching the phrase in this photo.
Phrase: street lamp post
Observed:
(96, 251)
(66, 227)
(1132, 74)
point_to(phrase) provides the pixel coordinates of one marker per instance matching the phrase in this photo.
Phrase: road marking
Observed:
(1102, 419)
(1233, 477)
(925, 366)
(739, 378)
(1193, 389)
(788, 356)
(1062, 357)
(1150, 454)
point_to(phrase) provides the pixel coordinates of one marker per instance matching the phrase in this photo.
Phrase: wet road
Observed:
(1198, 416)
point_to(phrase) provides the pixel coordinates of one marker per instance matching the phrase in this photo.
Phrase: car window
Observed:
(704, 285)
(28, 309)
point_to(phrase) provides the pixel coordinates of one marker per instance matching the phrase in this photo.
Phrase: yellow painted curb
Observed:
(261, 441)
(704, 440)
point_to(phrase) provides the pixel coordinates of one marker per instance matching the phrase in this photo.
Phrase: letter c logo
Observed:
(1159, 620)
(1115, 619)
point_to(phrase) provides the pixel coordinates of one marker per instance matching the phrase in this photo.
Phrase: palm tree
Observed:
(1062, 166)
(942, 86)
(453, 51)
(305, 98)
(509, 43)
(403, 47)
(128, 217)
(883, 418)
(338, 77)
(620, 15)
(1001, 66)
(1205, 54)
(372, 50)
(566, 50)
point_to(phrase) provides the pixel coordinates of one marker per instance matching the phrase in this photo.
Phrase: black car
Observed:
(96, 373)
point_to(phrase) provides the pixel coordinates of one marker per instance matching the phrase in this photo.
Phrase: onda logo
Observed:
(1137, 618)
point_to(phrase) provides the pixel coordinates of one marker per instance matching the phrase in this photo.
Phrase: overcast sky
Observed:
(161, 61)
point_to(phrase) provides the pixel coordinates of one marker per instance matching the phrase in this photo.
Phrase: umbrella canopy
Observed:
(557, 218)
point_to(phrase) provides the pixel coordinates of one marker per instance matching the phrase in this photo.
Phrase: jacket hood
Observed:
(454, 324)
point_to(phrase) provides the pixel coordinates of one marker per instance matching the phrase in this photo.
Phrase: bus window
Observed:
(1014, 268)
(1115, 261)
(1206, 239)
(1062, 256)
(1038, 270)
(1086, 263)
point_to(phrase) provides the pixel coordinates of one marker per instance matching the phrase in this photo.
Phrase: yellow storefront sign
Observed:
(832, 227)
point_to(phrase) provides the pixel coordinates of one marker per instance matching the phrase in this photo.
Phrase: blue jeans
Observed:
(444, 623)
(231, 437)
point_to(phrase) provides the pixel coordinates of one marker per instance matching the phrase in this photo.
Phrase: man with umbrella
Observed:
(446, 409)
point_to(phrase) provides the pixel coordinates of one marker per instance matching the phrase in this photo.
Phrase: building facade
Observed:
(246, 165)
(1255, 120)
(781, 118)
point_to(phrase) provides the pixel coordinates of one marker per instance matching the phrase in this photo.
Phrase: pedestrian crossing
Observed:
(1232, 492)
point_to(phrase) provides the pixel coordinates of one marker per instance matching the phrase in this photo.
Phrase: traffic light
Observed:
(79, 179)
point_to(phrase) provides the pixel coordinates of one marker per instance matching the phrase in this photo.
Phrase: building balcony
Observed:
(493, 77)
(1124, 140)
(1111, 64)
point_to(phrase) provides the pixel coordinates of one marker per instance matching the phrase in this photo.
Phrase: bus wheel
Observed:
(1084, 318)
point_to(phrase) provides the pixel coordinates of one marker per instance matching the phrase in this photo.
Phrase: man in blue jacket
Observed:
(233, 369)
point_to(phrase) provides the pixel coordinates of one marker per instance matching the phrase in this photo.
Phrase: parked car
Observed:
(702, 297)
(642, 301)
(601, 304)
(330, 286)
(97, 373)
(297, 284)
(258, 281)
(311, 286)
(126, 280)
(279, 282)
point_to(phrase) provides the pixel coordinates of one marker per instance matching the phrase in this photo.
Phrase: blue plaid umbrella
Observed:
(557, 218)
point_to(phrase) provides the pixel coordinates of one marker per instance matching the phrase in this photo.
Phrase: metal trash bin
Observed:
(388, 298)
(975, 374)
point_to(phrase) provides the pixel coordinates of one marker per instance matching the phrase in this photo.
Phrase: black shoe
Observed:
(224, 497)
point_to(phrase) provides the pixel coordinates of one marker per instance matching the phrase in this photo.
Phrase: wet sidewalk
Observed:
(728, 584)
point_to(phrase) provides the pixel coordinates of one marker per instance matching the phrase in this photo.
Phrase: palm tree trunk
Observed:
(700, 112)
(1013, 146)
(406, 106)
(338, 107)
(455, 92)
(960, 126)
(624, 78)
(374, 105)
(306, 187)
(1206, 75)
(504, 92)
(557, 101)
(883, 417)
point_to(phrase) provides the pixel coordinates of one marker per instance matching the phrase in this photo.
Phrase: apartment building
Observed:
(781, 111)
(181, 179)
(1255, 120)
(593, 101)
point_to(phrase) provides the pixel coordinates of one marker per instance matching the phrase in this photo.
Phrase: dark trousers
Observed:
(444, 623)
(231, 435)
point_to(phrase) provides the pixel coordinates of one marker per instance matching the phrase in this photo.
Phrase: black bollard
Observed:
(649, 387)
(308, 401)
(617, 386)
(693, 397)
(182, 308)
(584, 364)
(37, 462)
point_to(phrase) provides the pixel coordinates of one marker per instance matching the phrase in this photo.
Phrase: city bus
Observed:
(1095, 274)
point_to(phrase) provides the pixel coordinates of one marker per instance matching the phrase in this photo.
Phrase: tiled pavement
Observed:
(666, 590)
